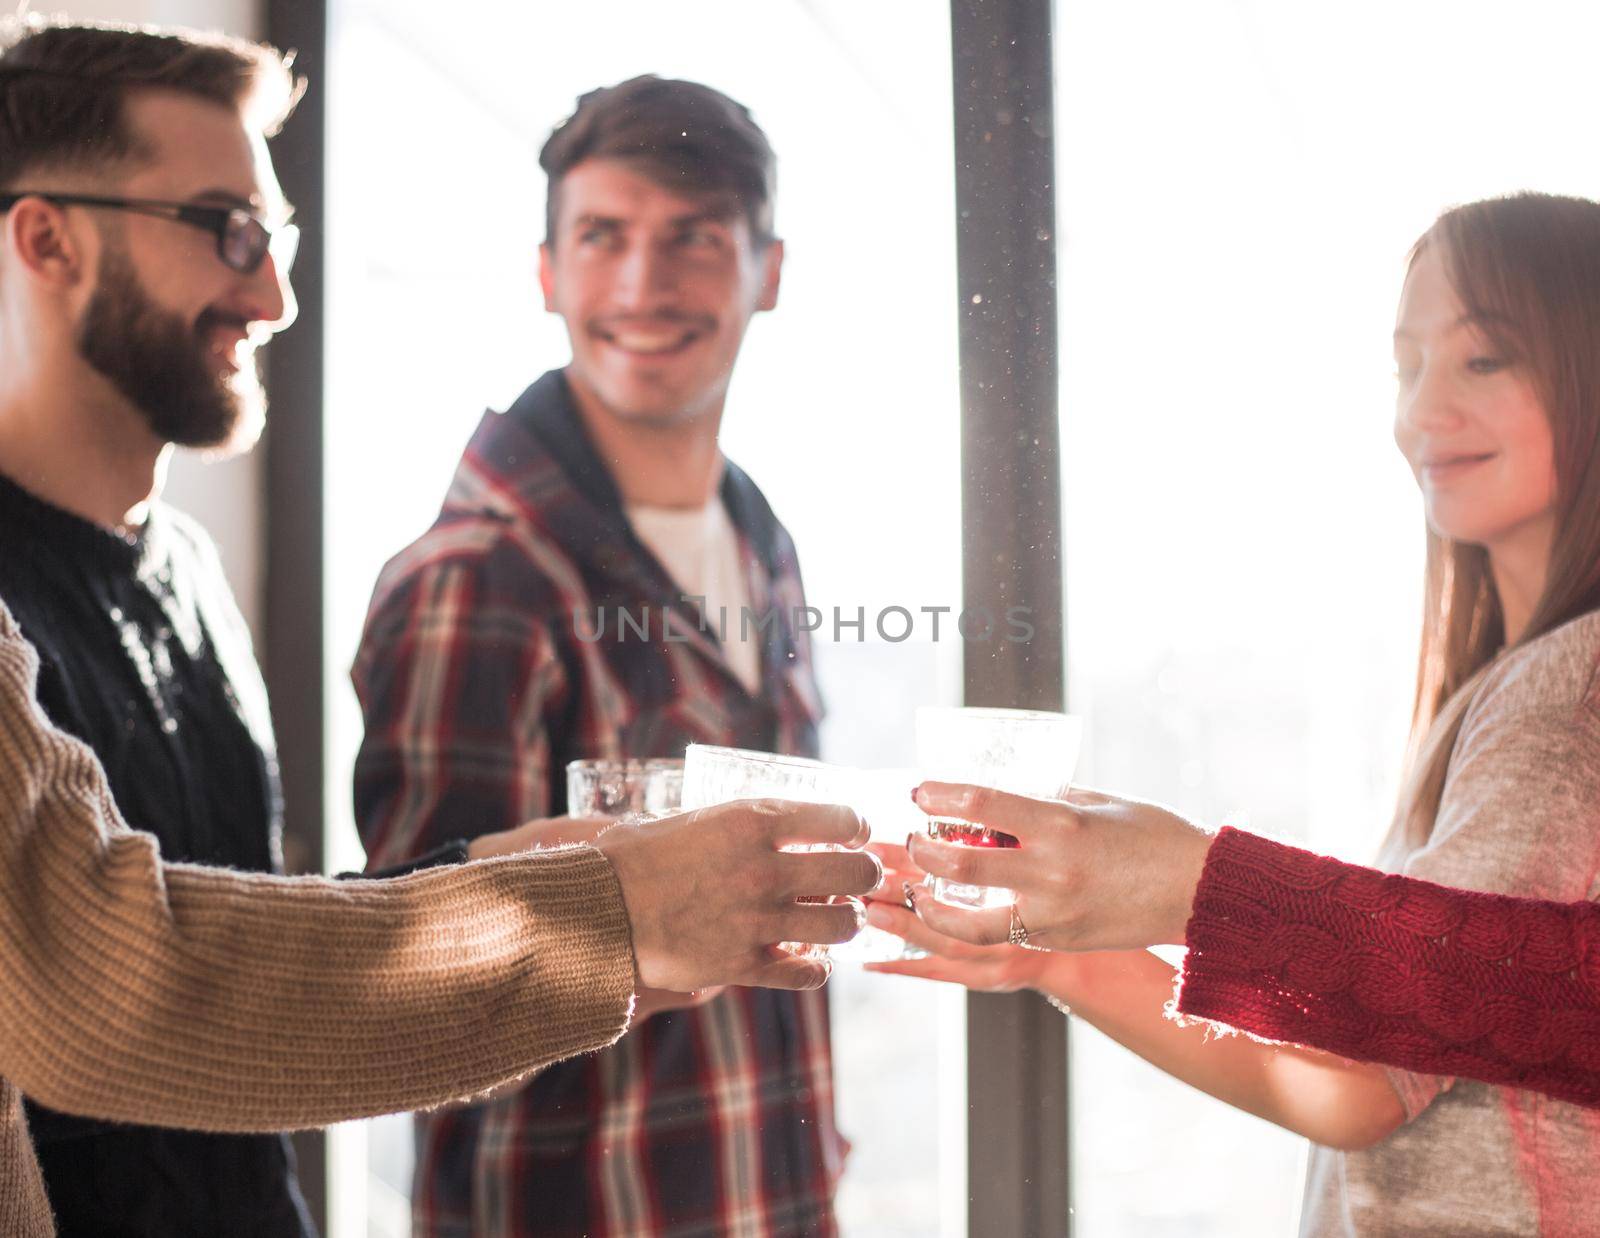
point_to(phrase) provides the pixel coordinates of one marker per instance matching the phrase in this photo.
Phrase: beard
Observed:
(165, 369)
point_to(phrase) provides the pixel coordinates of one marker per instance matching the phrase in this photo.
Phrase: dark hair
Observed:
(682, 135)
(62, 87)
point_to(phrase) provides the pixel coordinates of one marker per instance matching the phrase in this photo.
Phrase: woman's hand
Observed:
(898, 873)
(1097, 873)
(986, 969)
(1092, 873)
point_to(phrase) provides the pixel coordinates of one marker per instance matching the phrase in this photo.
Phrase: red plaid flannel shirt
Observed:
(478, 686)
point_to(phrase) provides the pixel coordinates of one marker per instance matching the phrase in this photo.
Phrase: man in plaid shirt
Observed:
(505, 643)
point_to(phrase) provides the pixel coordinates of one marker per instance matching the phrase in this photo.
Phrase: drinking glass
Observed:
(638, 789)
(880, 797)
(713, 775)
(1024, 751)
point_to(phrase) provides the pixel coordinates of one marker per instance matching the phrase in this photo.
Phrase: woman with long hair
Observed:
(1498, 351)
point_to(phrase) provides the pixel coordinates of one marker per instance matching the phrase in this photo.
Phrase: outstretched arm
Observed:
(1125, 994)
(179, 995)
(1293, 946)
(210, 999)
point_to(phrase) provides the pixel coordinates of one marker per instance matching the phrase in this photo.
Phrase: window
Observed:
(1240, 183)
(844, 409)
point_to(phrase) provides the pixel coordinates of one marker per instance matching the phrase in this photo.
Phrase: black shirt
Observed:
(144, 656)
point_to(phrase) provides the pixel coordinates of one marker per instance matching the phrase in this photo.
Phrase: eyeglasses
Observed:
(243, 241)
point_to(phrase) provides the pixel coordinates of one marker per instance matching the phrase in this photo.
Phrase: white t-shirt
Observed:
(699, 547)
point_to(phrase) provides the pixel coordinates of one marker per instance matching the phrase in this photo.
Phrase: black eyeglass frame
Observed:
(233, 226)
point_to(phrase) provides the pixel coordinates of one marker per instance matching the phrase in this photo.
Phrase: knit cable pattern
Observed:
(1297, 947)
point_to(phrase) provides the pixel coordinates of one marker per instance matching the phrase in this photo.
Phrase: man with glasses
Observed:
(243, 241)
(145, 258)
(602, 582)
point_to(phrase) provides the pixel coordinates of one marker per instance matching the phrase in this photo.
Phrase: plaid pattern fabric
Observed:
(491, 658)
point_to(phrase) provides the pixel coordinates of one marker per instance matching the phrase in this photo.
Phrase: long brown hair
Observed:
(1527, 268)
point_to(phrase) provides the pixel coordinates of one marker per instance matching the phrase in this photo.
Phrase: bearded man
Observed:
(145, 256)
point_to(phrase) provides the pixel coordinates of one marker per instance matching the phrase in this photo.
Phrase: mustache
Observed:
(213, 318)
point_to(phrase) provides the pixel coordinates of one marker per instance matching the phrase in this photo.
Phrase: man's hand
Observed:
(647, 1002)
(540, 832)
(710, 893)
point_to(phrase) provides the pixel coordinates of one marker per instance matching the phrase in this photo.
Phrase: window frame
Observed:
(1018, 1171)
(295, 650)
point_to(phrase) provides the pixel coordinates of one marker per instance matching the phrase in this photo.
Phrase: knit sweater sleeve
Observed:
(210, 999)
(1291, 946)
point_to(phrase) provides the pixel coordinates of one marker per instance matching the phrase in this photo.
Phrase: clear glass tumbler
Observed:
(713, 775)
(624, 788)
(1024, 751)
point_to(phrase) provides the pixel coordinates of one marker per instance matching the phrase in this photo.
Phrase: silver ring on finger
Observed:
(1018, 936)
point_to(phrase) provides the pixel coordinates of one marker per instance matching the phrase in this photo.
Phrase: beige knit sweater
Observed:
(172, 994)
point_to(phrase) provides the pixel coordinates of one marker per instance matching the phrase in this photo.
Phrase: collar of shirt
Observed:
(538, 460)
(143, 555)
(547, 411)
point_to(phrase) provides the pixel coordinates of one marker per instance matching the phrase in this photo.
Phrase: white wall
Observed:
(228, 497)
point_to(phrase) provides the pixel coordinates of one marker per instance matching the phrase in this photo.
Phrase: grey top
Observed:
(1520, 814)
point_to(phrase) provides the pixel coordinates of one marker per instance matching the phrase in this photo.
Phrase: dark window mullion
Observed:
(1011, 546)
(294, 655)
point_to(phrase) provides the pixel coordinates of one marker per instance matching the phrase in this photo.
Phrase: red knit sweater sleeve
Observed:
(1291, 946)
